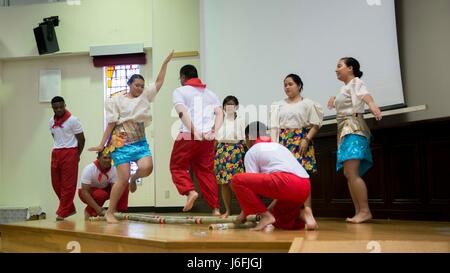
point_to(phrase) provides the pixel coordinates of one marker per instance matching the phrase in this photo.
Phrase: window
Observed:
(116, 78)
(115, 83)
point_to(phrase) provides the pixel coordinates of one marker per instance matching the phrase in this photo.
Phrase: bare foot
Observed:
(225, 215)
(190, 200)
(348, 219)
(308, 217)
(359, 218)
(240, 219)
(110, 218)
(215, 212)
(269, 228)
(266, 219)
(132, 186)
(60, 218)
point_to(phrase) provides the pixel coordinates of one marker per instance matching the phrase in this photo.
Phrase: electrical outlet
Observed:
(167, 194)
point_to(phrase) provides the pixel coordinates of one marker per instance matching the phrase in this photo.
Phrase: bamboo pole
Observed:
(157, 219)
(250, 218)
(225, 226)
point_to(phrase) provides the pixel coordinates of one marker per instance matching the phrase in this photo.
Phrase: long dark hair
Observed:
(135, 77)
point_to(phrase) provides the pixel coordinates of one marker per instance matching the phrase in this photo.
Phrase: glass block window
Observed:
(116, 78)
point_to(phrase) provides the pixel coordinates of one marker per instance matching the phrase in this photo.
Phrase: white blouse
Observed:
(120, 108)
(232, 131)
(350, 98)
(302, 114)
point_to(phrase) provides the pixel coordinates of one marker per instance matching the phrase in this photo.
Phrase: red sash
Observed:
(195, 82)
(101, 171)
(58, 122)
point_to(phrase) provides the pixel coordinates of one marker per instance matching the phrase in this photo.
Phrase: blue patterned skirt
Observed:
(355, 146)
(131, 152)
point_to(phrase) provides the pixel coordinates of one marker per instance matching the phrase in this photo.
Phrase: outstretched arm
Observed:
(106, 135)
(162, 73)
(372, 106)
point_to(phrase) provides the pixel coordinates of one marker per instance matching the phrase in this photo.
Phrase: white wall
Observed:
(27, 142)
(25, 138)
(176, 26)
(94, 22)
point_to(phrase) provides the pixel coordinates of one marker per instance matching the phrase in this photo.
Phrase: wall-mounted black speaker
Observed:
(46, 40)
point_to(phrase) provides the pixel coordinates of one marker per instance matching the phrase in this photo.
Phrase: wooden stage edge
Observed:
(334, 235)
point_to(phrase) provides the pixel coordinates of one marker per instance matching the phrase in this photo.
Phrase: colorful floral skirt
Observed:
(228, 161)
(354, 146)
(131, 152)
(291, 139)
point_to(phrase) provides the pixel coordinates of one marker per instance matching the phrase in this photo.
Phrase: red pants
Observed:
(198, 155)
(64, 172)
(290, 190)
(101, 195)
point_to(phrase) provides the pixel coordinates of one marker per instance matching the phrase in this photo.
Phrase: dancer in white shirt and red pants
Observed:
(271, 171)
(201, 114)
(96, 183)
(68, 137)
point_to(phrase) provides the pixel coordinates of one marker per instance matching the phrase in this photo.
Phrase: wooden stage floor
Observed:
(334, 235)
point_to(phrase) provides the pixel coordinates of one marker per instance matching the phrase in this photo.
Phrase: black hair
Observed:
(189, 71)
(352, 62)
(134, 77)
(100, 153)
(296, 78)
(57, 99)
(255, 129)
(230, 98)
(233, 99)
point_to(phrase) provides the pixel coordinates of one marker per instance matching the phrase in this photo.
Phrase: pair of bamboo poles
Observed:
(215, 223)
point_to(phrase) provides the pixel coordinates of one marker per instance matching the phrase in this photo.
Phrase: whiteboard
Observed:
(248, 47)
